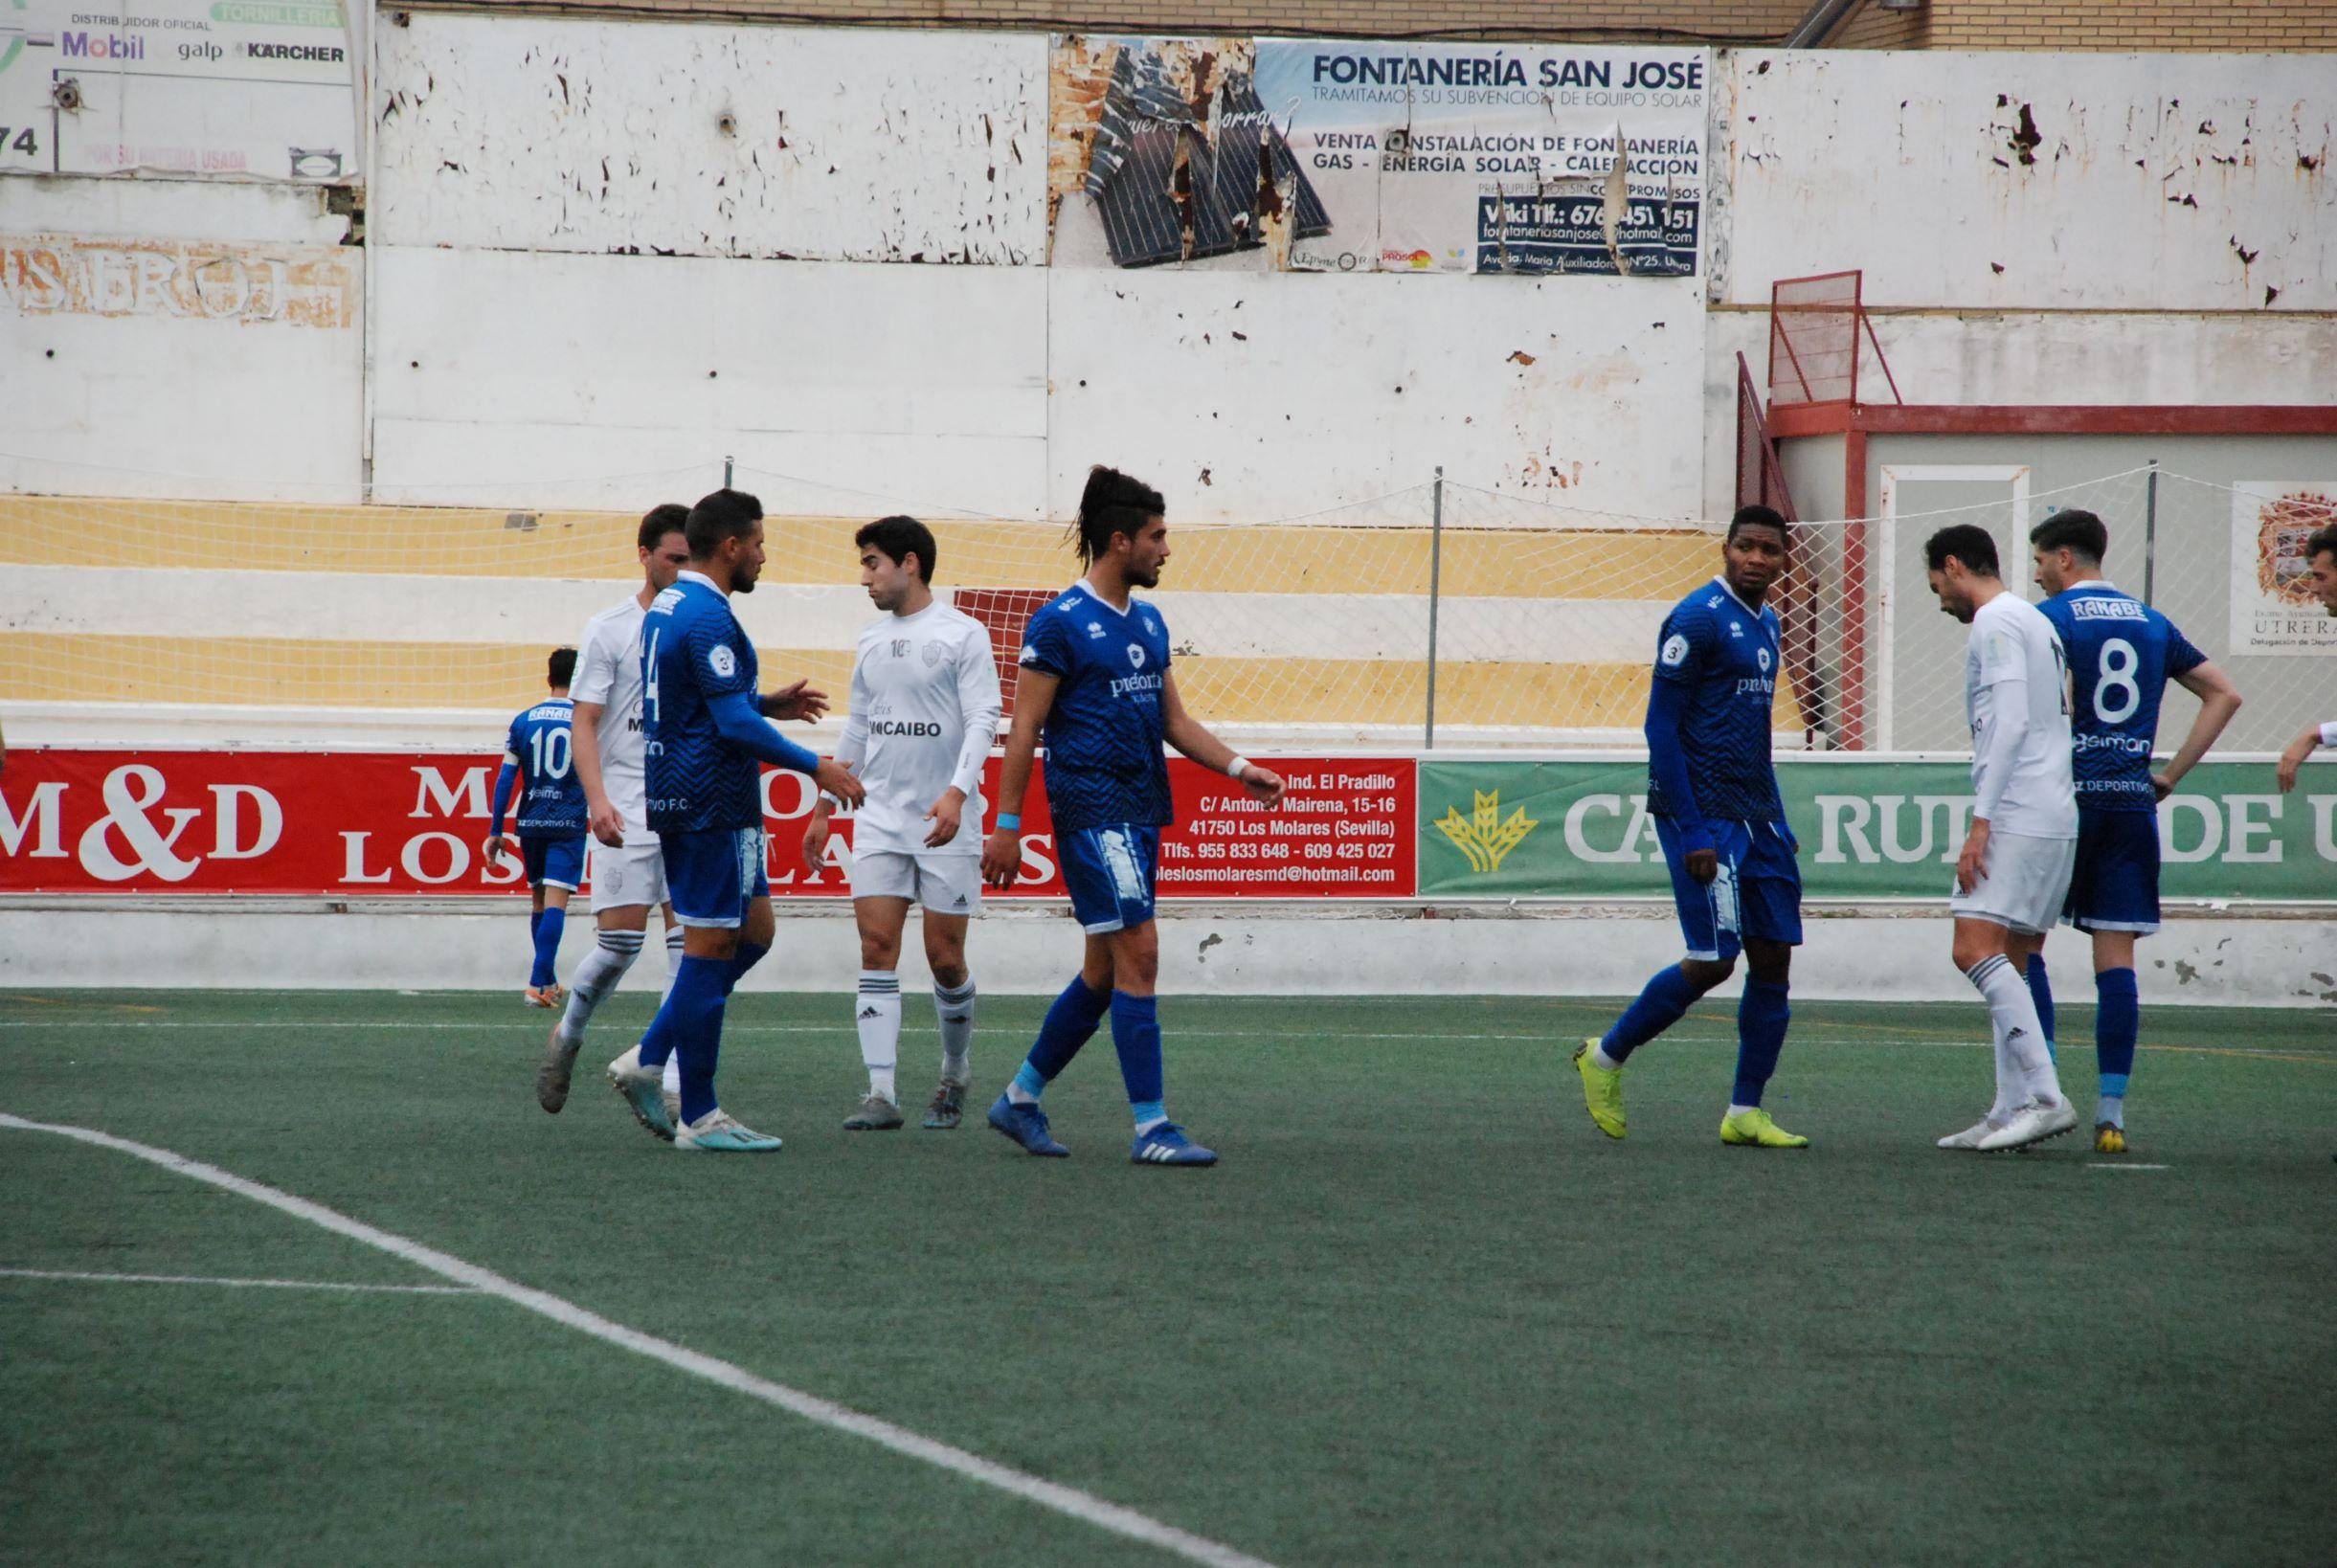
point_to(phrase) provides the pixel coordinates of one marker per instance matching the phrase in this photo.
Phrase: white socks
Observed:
(877, 1014)
(2024, 1067)
(612, 954)
(954, 1008)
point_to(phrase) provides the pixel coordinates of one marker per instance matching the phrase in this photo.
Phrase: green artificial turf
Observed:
(1422, 1312)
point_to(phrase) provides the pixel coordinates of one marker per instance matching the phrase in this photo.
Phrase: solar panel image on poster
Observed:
(1223, 191)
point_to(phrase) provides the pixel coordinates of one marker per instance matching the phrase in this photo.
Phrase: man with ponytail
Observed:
(1095, 683)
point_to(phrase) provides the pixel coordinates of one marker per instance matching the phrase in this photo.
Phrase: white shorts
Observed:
(622, 878)
(944, 884)
(2023, 883)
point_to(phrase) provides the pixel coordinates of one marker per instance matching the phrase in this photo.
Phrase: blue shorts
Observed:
(553, 862)
(712, 876)
(1109, 873)
(2115, 884)
(1758, 891)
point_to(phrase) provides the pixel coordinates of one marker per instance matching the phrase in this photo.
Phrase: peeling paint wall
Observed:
(2092, 182)
(540, 134)
(179, 339)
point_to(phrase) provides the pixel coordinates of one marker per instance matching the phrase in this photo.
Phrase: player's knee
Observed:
(879, 952)
(947, 959)
(1704, 974)
(1971, 947)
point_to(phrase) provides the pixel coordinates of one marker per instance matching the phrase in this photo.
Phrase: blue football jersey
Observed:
(1104, 762)
(550, 796)
(2122, 654)
(1727, 656)
(693, 649)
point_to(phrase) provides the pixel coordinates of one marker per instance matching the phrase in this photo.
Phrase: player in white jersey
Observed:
(2013, 872)
(924, 709)
(628, 869)
(2321, 557)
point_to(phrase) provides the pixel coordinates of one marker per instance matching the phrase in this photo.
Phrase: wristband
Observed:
(1239, 769)
(1009, 821)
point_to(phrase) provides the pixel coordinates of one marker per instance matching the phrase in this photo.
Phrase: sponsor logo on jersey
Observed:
(1483, 836)
(1756, 686)
(1095, 631)
(2132, 745)
(1128, 684)
(905, 727)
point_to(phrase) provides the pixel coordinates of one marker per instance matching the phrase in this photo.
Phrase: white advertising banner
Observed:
(234, 89)
(2274, 609)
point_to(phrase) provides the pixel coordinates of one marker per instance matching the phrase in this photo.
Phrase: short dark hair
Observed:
(725, 514)
(2080, 532)
(671, 517)
(561, 669)
(1758, 516)
(2324, 541)
(1112, 503)
(899, 538)
(1965, 541)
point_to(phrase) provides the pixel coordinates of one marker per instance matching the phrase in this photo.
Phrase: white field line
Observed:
(2121, 1165)
(1062, 1499)
(260, 1285)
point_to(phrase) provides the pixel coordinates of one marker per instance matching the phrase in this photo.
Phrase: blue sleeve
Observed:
(1668, 760)
(739, 718)
(504, 781)
(1684, 647)
(1046, 645)
(2181, 655)
(714, 658)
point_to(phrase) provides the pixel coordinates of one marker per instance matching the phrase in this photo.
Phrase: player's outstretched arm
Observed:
(1003, 851)
(735, 716)
(2298, 750)
(2218, 701)
(801, 701)
(851, 750)
(1190, 736)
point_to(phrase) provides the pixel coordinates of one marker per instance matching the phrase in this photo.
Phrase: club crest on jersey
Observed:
(935, 654)
(1762, 655)
(1675, 650)
(723, 661)
(1136, 656)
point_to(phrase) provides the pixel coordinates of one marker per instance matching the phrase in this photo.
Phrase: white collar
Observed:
(1089, 589)
(687, 575)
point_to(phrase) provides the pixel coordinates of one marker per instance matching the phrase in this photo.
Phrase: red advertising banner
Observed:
(375, 824)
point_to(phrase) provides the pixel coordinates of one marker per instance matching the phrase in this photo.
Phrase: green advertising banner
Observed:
(1580, 829)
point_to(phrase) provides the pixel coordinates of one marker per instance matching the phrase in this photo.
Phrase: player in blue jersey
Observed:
(1713, 794)
(705, 733)
(1095, 679)
(539, 766)
(2122, 654)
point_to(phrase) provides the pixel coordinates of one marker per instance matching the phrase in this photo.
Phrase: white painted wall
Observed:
(2150, 176)
(137, 392)
(1255, 951)
(551, 134)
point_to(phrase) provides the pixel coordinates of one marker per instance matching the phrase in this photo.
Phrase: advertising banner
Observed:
(371, 824)
(1347, 156)
(1866, 830)
(241, 89)
(2274, 609)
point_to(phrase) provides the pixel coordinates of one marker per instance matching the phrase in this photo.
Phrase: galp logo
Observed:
(139, 835)
(1483, 836)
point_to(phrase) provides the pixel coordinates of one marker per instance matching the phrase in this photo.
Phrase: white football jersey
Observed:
(609, 672)
(2014, 669)
(924, 710)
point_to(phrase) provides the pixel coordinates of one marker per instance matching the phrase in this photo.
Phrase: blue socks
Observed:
(2040, 991)
(547, 927)
(1659, 1006)
(1762, 1017)
(2117, 1022)
(695, 1024)
(1135, 1034)
(746, 959)
(662, 1038)
(1070, 1024)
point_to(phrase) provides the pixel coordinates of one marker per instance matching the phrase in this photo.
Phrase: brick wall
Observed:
(1874, 28)
(2220, 26)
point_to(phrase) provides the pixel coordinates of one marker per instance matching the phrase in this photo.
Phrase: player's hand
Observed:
(2290, 761)
(837, 779)
(816, 843)
(947, 812)
(498, 846)
(796, 701)
(608, 824)
(2161, 786)
(1263, 784)
(1001, 858)
(1703, 865)
(1970, 866)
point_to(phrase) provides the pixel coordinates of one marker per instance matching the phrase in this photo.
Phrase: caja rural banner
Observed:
(371, 824)
(1347, 156)
(1867, 830)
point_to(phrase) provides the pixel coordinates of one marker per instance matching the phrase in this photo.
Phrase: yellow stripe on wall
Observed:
(458, 542)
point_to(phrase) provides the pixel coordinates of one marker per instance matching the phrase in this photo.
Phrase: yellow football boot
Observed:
(2109, 1139)
(1601, 1090)
(1753, 1130)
